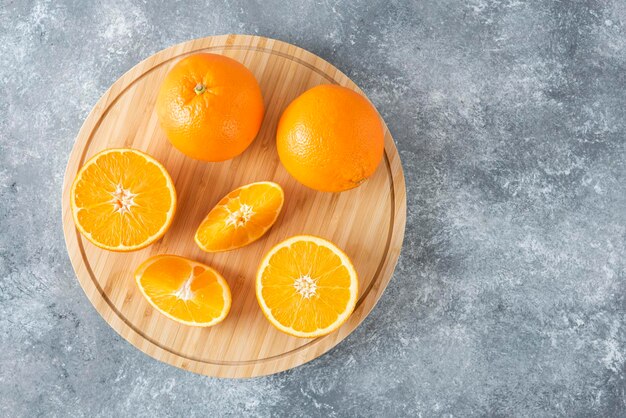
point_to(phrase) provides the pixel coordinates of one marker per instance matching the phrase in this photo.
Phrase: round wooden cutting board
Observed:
(367, 222)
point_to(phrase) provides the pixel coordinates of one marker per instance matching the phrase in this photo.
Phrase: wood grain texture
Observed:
(367, 222)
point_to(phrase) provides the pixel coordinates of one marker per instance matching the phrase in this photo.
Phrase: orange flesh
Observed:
(184, 290)
(307, 287)
(241, 217)
(122, 200)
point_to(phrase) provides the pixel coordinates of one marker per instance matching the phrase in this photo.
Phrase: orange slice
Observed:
(184, 290)
(306, 286)
(241, 217)
(123, 200)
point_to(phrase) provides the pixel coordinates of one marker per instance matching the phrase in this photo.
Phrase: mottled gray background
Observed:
(508, 299)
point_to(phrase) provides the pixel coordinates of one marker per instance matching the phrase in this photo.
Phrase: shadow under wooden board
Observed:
(367, 222)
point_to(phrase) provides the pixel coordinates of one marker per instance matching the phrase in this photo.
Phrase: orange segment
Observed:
(123, 200)
(241, 217)
(184, 290)
(306, 286)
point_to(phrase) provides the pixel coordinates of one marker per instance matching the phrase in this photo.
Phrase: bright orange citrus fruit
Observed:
(184, 290)
(210, 106)
(241, 217)
(306, 286)
(122, 200)
(330, 138)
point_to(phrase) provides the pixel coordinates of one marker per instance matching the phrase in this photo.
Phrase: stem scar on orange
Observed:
(210, 107)
(330, 138)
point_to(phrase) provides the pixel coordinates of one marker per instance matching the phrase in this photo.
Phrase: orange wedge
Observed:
(306, 286)
(184, 290)
(241, 217)
(123, 200)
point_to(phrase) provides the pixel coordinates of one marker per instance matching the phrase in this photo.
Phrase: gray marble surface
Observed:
(508, 300)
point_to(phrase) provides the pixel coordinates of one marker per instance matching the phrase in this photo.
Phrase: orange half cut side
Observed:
(306, 286)
(122, 200)
(184, 290)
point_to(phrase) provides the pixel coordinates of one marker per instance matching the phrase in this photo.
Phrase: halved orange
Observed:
(184, 290)
(241, 217)
(306, 286)
(123, 200)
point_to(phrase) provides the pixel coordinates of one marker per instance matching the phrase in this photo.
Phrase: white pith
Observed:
(306, 286)
(240, 217)
(184, 292)
(123, 199)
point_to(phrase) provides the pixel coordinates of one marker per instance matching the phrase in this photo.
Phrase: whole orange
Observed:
(330, 138)
(210, 106)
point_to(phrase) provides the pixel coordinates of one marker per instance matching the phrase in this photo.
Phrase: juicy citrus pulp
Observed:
(241, 217)
(184, 290)
(306, 286)
(122, 200)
